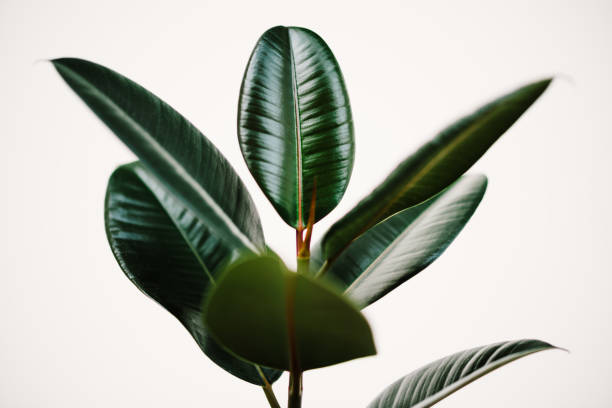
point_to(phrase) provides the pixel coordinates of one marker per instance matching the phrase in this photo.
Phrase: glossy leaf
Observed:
(295, 123)
(266, 314)
(404, 244)
(433, 167)
(436, 381)
(171, 148)
(170, 256)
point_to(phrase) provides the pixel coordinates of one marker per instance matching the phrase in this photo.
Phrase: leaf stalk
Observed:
(267, 389)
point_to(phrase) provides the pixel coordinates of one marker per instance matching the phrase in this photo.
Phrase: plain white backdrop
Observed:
(533, 262)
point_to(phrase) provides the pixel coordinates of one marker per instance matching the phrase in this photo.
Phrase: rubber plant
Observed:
(185, 231)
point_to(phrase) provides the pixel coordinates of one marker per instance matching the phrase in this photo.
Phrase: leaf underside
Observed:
(268, 315)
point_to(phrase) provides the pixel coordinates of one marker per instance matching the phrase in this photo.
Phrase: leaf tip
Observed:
(553, 347)
(63, 64)
(59, 61)
(543, 345)
(537, 88)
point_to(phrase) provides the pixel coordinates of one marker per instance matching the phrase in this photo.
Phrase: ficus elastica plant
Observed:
(184, 229)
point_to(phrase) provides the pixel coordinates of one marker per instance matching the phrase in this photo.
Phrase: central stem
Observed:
(295, 372)
(303, 265)
(302, 247)
(295, 389)
(303, 234)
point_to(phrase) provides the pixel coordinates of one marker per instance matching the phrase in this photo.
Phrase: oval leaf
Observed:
(170, 256)
(436, 381)
(295, 124)
(172, 149)
(268, 315)
(433, 167)
(404, 244)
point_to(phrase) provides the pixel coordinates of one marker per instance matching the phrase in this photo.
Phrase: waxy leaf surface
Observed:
(294, 123)
(404, 244)
(181, 157)
(433, 167)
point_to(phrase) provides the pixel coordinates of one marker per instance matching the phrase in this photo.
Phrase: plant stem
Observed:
(303, 265)
(295, 389)
(270, 396)
(267, 389)
(295, 373)
(302, 250)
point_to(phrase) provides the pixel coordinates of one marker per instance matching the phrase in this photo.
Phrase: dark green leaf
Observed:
(170, 256)
(171, 148)
(295, 123)
(433, 167)
(266, 314)
(436, 381)
(404, 244)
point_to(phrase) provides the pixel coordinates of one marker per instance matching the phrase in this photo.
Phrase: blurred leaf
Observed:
(268, 315)
(177, 153)
(436, 381)
(170, 256)
(433, 167)
(404, 244)
(295, 123)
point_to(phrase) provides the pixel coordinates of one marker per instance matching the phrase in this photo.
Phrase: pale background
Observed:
(533, 262)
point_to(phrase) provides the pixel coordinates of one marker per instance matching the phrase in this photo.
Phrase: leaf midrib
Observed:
(181, 231)
(440, 156)
(385, 253)
(298, 126)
